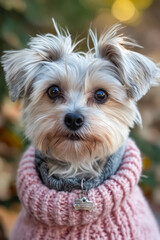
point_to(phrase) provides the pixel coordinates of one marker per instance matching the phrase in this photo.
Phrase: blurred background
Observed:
(20, 19)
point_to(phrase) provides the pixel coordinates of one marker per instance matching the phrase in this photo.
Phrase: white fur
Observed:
(50, 60)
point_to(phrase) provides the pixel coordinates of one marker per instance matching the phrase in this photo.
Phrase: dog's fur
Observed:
(51, 60)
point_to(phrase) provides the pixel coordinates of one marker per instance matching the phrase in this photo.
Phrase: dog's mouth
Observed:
(74, 137)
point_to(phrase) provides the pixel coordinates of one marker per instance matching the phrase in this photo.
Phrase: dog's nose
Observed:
(73, 120)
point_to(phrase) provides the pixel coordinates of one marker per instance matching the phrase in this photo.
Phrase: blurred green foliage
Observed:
(20, 19)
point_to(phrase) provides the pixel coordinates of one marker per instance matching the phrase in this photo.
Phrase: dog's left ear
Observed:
(136, 72)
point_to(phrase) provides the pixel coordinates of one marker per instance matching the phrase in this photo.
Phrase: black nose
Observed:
(73, 120)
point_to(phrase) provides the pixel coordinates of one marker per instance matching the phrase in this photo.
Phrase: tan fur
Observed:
(50, 60)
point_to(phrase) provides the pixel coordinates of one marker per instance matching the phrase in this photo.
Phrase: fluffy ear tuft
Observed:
(20, 67)
(137, 72)
(53, 47)
(141, 74)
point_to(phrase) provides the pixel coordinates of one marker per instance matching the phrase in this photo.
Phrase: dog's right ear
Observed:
(19, 67)
(22, 66)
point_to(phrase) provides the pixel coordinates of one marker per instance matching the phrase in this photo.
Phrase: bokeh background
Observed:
(20, 19)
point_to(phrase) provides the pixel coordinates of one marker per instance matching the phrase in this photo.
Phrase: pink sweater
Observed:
(120, 210)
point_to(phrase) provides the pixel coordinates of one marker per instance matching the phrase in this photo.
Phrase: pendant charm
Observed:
(83, 203)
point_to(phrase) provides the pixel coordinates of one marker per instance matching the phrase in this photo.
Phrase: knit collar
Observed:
(51, 207)
(69, 184)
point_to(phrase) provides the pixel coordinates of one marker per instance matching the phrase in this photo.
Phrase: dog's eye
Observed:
(101, 96)
(54, 92)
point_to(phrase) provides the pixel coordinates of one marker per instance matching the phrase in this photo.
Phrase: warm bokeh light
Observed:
(123, 10)
(20, 19)
(18, 5)
(142, 4)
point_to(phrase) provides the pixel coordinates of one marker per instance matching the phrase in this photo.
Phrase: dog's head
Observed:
(79, 106)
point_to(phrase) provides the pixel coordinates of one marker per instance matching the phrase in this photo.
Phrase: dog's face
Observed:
(79, 107)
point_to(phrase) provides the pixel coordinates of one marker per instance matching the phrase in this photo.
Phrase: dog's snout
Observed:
(74, 120)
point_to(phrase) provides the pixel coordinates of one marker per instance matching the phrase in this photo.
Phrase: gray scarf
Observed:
(68, 184)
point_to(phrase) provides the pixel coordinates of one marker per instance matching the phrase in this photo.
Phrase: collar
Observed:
(69, 184)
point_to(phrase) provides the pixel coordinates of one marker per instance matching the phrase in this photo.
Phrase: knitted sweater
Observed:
(120, 211)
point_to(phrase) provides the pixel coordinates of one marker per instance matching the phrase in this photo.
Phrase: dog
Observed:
(79, 178)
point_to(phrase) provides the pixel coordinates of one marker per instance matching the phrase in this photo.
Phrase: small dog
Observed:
(78, 109)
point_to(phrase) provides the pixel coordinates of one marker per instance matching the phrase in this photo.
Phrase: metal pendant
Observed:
(83, 203)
